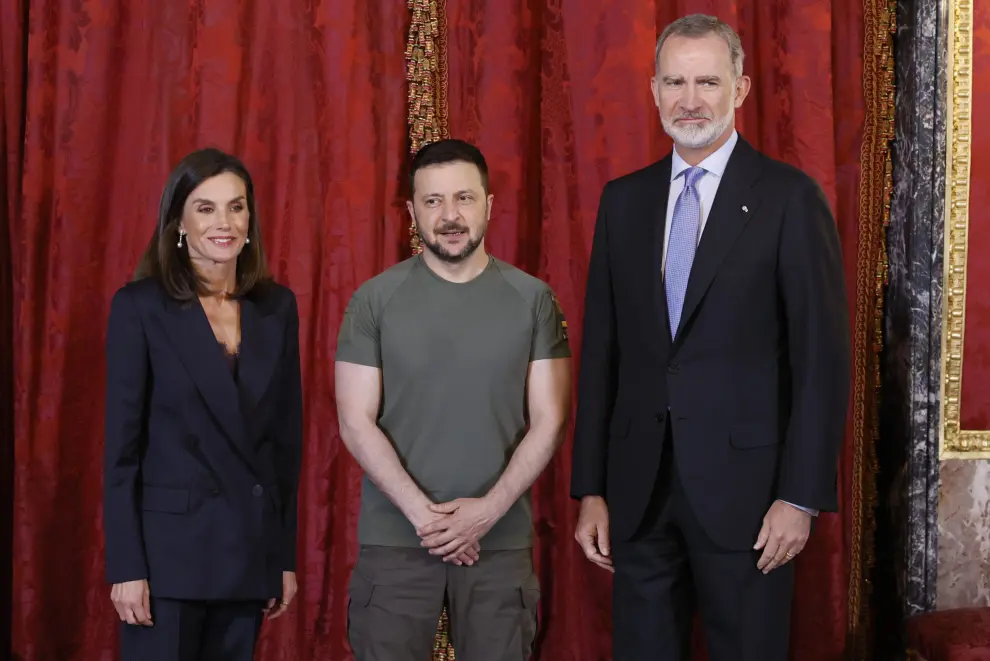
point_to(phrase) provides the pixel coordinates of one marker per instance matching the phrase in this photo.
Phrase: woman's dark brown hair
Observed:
(170, 265)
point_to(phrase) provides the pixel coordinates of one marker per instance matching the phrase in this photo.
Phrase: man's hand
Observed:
(467, 555)
(462, 524)
(133, 602)
(783, 535)
(289, 589)
(592, 531)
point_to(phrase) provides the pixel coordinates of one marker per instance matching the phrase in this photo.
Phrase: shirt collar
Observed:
(715, 163)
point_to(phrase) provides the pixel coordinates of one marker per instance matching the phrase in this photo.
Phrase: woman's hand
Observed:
(132, 601)
(289, 589)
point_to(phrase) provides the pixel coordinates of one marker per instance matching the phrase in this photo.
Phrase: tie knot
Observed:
(692, 175)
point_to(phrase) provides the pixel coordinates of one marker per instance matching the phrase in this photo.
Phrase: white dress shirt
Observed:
(707, 186)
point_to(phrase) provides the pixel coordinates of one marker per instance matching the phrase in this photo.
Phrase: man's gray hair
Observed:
(696, 26)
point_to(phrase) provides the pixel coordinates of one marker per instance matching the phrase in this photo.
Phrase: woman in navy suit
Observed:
(203, 428)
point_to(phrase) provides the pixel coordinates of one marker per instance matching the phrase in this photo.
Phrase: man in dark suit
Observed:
(715, 372)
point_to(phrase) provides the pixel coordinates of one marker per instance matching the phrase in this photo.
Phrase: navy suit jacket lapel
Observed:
(262, 339)
(734, 205)
(202, 356)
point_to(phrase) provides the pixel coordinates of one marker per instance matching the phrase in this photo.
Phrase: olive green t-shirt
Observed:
(454, 360)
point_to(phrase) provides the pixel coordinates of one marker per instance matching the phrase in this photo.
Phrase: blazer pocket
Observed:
(749, 437)
(165, 499)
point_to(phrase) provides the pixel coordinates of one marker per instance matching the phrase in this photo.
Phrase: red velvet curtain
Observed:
(974, 409)
(101, 97)
(12, 30)
(311, 94)
(557, 96)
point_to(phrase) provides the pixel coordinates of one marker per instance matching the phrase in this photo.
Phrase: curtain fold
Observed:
(13, 39)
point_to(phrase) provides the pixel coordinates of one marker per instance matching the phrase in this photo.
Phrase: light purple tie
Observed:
(682, 244)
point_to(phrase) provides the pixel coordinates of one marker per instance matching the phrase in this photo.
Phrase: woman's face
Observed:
(215, 219)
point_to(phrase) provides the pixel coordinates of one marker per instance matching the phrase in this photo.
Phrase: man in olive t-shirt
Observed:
(453, 385)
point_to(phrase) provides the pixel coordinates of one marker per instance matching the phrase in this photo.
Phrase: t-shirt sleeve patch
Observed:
(550, 339)
(359, 340)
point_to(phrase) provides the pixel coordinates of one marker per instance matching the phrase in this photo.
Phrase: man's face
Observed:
(696, 91)
(450, 209)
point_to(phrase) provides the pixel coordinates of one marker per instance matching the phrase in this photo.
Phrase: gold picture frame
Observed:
(954, 441)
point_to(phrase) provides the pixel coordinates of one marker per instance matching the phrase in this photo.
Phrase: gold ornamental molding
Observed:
(876, 186)
(426, 74)
(956, 442)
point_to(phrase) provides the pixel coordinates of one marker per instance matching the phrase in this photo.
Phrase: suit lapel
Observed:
(734, 205)
(261, 344)
(202, 356)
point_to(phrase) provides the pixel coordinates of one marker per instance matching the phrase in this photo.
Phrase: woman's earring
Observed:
(247, 239)
(181, 234)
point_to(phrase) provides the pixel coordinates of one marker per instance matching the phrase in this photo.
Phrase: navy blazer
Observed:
(754, 385)
(201, 472)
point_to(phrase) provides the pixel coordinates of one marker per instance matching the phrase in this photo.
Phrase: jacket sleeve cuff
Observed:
(122, 572)
(289, 556)
(808, 510)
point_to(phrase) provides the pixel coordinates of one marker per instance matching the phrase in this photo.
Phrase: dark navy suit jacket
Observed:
(754, 385)
(201, 470)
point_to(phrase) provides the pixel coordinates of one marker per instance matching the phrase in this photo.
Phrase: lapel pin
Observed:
(745, 208)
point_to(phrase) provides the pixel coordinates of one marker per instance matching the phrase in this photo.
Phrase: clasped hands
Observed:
(454, 529)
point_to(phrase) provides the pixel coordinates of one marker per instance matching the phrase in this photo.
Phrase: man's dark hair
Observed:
(170, 265)
(450, 150)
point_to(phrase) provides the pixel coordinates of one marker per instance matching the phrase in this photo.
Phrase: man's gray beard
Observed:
(697, 137)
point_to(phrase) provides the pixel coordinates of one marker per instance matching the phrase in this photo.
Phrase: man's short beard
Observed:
(444, 255)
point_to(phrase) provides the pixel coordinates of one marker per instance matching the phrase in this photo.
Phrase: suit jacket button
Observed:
(215, 492)
(673, 369)
(660, 417)
(257, 490)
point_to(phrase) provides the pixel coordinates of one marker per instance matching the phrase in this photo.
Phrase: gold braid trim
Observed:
(426, 73)
(879, 22)
(443, 649)
(956, 442)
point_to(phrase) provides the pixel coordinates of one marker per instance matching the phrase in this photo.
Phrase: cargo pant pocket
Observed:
(529, 593)
(360, 593)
